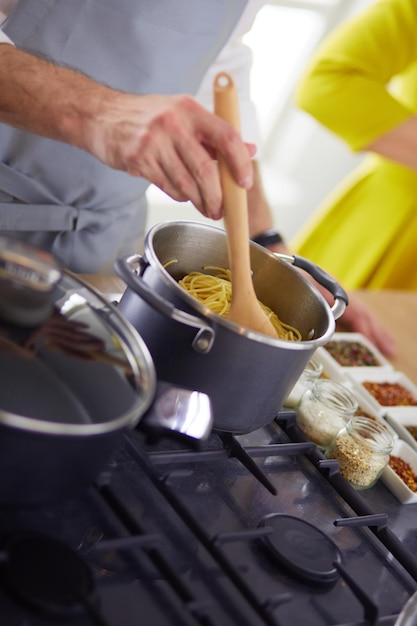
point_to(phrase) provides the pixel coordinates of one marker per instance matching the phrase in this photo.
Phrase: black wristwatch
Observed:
(268, 237)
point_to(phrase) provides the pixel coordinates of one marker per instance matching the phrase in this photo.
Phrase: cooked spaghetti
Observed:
(215, 292)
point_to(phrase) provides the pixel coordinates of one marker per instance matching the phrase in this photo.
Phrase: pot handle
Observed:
(203, 340)
(341, 299)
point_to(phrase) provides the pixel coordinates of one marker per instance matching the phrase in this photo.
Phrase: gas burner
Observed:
(47, 575)
(302, 548)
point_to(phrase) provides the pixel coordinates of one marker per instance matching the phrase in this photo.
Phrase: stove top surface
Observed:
(251, 530)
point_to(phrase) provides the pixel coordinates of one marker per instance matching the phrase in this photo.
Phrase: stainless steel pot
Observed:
(75, 376)
(246, 374)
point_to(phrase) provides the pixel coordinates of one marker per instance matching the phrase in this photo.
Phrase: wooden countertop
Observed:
(105, 284)
(396, 310)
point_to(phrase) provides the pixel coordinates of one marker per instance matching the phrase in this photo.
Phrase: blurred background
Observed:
(300, 161)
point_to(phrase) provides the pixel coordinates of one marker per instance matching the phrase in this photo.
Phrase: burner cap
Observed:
(302, 548)
(47, 575)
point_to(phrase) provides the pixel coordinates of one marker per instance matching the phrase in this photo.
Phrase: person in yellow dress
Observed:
(362, 85)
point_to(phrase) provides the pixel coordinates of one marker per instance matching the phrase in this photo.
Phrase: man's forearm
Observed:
(260, 215)
(168, 139)
(46, 99)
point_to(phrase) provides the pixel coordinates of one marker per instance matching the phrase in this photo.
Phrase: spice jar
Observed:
(310, 375)
(324, 410)
(363, 450)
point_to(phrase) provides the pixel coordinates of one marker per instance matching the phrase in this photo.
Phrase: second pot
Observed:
(76, 377)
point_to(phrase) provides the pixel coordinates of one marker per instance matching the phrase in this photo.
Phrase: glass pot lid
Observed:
(82, 369)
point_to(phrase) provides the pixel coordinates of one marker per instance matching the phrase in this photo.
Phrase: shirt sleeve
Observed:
(349, 85)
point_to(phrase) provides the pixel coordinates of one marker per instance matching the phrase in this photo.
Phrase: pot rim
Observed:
(205, 312)
(143, 369)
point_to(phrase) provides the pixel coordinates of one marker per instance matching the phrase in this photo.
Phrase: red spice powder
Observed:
(390, 394)
(404, 471)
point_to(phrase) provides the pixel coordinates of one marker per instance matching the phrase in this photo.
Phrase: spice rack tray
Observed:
(367, 408)
(399, 420)
(347, 352)
(385, 382)
(331, 369)
(393, 481)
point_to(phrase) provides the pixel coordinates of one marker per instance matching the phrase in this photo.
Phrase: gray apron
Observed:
(58, 197)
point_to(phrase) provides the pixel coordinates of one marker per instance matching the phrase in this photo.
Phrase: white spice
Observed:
(324, 410)
(320, 425)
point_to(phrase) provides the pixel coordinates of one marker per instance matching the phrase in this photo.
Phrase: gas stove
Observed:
(252, 529)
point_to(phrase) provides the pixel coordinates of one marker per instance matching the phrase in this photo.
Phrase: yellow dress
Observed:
(361, 83)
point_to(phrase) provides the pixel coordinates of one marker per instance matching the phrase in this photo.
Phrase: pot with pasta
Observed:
(177, 297)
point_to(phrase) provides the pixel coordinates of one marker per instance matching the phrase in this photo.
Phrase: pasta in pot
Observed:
(215, 292)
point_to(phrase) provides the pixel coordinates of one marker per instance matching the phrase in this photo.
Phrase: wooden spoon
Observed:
(245, 308)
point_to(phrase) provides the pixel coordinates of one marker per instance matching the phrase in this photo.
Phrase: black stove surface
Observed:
(250, 530)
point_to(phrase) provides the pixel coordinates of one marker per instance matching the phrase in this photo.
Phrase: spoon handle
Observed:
(234, 197)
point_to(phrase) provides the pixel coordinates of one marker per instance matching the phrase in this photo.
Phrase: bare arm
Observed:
(260, 215)
(399, 144)
(169, 140)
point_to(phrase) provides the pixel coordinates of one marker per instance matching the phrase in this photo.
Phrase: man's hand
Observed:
(357, 318)
(171, 141)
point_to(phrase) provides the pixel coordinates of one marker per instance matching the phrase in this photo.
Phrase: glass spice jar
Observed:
(324, 410)
(363, 450)
(311, 373)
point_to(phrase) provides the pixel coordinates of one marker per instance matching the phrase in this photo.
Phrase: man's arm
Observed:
(259, 212)
(169, 140)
